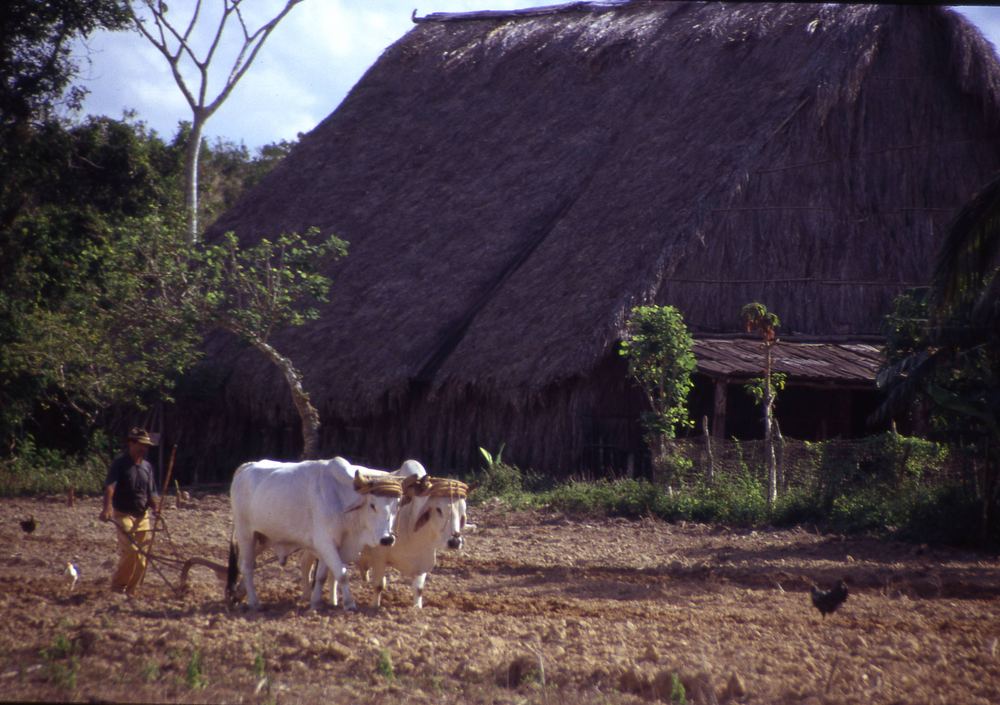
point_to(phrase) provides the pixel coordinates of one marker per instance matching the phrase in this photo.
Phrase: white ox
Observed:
(432, 516)
(314, 572)
(322, 506)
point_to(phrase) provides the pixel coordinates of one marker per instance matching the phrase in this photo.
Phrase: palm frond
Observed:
(902, 381)
(970, 249)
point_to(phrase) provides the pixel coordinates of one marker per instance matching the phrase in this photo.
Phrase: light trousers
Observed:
(131, 560)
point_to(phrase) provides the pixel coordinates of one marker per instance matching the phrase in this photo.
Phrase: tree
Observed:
(756, 317)
(945, 348)
(134, 328)
(119, 331)
(252, 292)
(77, 186)
(102, 297)
(658, 347)
(36, 70)
(176, 43)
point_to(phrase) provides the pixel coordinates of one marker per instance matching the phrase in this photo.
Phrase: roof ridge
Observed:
(543, 10)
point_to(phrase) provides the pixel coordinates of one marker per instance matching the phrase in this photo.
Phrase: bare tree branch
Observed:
(202, 106)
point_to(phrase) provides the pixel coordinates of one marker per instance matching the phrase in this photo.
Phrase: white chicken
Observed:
(72, 574)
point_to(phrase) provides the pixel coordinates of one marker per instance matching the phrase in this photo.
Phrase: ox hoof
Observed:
(350, 607)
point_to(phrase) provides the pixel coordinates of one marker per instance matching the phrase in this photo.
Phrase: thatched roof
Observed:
(845, 365)
(511, 184)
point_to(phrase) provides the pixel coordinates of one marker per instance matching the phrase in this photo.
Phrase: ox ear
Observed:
(423, 519)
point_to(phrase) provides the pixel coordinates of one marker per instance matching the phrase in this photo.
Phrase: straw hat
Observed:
(140, 435)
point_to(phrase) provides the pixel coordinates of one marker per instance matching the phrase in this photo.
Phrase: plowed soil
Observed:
(537, 608)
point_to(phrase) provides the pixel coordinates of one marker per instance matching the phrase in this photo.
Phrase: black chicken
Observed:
(827, 601)
(28, 525)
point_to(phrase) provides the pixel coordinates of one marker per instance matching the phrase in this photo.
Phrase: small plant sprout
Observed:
(194, 674)
(384, 667)
(491, 459)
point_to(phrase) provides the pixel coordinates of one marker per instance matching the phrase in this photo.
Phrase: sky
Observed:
(304, 70)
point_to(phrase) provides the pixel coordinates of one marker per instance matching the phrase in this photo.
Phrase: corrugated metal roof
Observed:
(849, 364)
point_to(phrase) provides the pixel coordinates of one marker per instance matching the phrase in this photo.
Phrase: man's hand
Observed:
(105, 514)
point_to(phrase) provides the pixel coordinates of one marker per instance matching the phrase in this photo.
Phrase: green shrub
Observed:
(517, 488)
(946, 514)
(887, 484)
(798, 506)
(911, 510)
(627, 498)
(737, 499)
(34, 470)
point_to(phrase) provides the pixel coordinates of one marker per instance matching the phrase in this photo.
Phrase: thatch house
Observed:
(513, 183)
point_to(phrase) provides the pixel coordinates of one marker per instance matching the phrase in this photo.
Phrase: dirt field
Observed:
(537, 608)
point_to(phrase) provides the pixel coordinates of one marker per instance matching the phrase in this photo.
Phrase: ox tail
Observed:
(232, 572)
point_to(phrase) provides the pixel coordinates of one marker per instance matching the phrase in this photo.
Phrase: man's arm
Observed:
(155, 501)
(109, 492)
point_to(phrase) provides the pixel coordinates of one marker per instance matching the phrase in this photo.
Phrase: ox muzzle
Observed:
(387, 540)
(456, 541)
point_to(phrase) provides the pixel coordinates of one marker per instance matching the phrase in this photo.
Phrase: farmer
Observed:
(129, 491)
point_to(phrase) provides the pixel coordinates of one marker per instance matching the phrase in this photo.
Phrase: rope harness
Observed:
(446, 487)
(381, 487)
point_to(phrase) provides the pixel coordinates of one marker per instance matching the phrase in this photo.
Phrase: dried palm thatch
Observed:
(513, 183)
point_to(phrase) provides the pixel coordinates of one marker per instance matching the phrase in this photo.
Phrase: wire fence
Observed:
(814, 466)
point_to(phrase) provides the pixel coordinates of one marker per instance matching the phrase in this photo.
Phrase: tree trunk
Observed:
(772, 465)
(780, 453)
(307, 412)
(710, 464)
(191, 157)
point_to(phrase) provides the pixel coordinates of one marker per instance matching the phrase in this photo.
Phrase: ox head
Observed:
(444, 511)
(378, 503)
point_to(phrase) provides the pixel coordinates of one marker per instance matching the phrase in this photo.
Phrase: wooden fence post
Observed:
(710, 465)
(782, 476)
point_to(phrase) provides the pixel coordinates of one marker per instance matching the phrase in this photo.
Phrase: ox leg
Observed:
(418, 590)
(330, 560)
(309, 573)
(321, 573)
(377, 574)
(345, 589)
(248, 555)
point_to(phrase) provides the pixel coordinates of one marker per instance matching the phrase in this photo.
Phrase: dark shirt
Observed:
(135, 486)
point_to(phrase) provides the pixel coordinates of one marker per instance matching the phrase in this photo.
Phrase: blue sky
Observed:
(310, 62)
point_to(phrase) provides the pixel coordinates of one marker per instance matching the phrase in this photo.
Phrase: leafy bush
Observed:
(627, 498)
(506, 482)
(887, 484)
(739, 500)
(500, 480)
(913, 511)
(798, 506)
(35, 470)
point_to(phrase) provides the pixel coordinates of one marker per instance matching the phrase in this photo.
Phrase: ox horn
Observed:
(359, 483)
(419, 486)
